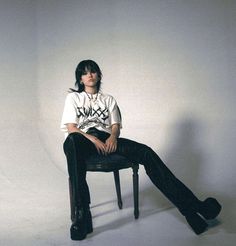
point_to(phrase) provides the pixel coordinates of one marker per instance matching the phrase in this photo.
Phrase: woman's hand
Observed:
(100, 146)
(111, 144)
(103, 148)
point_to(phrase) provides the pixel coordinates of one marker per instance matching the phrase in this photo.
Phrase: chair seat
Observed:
(111, 162)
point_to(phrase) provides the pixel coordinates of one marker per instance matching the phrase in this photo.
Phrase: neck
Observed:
(91, 90)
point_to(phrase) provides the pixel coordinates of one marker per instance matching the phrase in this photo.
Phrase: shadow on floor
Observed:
(151, 202)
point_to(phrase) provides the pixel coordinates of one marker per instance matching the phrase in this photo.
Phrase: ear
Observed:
(81, 82)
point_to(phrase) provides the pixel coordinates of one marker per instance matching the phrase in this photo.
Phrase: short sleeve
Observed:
(69, 113)
(114, 111)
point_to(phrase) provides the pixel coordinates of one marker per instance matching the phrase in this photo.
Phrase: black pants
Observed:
(77, 148)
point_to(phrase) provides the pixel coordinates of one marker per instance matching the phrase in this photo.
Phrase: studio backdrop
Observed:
(169, 64)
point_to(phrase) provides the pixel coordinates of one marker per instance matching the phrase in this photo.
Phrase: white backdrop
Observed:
(170, 65)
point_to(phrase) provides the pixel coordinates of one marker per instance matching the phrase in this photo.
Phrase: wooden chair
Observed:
(113, 163)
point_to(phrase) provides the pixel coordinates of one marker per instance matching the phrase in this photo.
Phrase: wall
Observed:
(169, 64)
(22, 156)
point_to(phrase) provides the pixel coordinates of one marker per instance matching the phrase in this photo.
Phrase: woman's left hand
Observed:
(111, 144)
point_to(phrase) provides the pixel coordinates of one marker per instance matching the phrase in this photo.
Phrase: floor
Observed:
(38, 214)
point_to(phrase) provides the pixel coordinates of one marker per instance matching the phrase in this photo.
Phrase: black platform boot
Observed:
(81, 224)
(78, 230)
(209, 208)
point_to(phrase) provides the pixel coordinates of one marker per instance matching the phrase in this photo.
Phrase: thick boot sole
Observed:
(79, 231)
(76, 233)
(197, 224)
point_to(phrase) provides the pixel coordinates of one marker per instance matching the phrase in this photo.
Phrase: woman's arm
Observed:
(111, 142)
(100, 146)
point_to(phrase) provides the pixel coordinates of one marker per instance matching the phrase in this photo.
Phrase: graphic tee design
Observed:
(92, 115)
(100, 112)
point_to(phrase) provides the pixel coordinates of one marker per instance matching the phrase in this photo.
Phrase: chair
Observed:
(112, 163)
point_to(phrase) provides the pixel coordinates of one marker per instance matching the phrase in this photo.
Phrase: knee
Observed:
(143, 151)
(149, 152)
(146, 149)
(74, 136)
(148, 155)
(71, 140)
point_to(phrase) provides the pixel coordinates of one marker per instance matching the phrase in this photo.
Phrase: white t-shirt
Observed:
(85, 110)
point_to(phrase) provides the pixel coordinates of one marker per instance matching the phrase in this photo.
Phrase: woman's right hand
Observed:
(100, 146)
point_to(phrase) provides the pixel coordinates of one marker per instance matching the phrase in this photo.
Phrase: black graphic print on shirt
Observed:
(92, 115)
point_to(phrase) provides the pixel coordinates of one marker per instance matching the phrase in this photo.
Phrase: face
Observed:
(89, 79)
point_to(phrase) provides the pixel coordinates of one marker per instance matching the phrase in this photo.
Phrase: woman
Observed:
(92, 122)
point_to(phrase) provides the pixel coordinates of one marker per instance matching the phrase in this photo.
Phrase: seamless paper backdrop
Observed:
(170, 65)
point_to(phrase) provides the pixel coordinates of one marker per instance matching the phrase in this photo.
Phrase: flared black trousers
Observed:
(77, 148)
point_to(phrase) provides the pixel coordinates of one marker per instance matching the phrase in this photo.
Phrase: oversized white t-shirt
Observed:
(85, 110)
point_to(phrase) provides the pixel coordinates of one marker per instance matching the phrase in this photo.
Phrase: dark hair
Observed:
(83, 67)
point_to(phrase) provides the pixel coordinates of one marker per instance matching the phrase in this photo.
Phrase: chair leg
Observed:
(72, 205)
(118, 190)
(136, 191)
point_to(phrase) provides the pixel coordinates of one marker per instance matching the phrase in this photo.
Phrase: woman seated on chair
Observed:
(92, 122)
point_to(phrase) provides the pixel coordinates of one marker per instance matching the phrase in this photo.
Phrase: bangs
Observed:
(89, 66)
